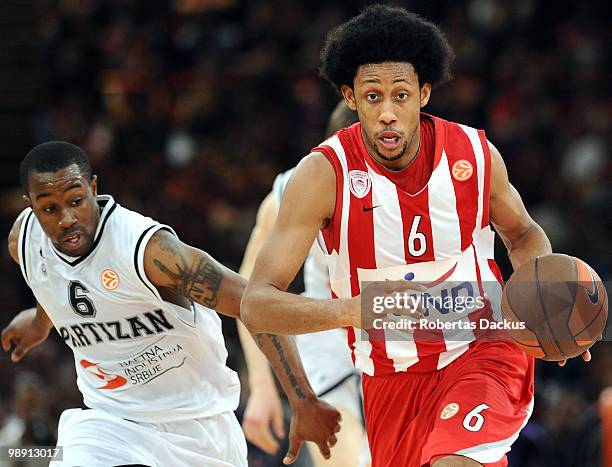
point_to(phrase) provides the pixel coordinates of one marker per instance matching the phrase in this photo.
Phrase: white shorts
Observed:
(326, 358)
(347, 394)
(94, 438)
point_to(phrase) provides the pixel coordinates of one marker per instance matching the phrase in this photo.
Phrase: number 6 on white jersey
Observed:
(474, 420)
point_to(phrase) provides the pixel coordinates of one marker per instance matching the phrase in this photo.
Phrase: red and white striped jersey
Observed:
(379, 231)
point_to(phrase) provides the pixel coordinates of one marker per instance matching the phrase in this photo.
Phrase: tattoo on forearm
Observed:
(283, 361)
(200, 281)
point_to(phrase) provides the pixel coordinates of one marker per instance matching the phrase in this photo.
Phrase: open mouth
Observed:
(72, 242)
(390, 140)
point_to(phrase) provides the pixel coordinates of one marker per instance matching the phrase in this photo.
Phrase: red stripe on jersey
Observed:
(466, 191)
(410, 207)
(495, 270)
(486, 191)
(350, 333)
(331, 233)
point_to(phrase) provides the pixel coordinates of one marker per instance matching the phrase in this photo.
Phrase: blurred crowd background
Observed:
(189, 108)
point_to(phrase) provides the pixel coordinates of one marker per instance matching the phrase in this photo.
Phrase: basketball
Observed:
(561, 301)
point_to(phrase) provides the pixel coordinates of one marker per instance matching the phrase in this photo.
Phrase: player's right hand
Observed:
(401, 293)
(24, 332)
(312, 420)
(264, 411)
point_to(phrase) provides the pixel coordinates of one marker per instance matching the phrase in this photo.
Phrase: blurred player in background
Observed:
(326, 359)
(405, 191)
(138, 309)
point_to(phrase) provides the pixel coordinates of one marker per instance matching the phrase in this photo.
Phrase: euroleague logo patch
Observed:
(449, 411)
(110, 279)
(462, 170)
(359, 183)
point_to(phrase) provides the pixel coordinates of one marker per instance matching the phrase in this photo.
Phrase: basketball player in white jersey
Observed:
(326, 360)
(138, 309)
(406, 196)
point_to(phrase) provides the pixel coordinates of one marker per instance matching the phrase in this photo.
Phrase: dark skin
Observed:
(64, 203)
(388, 98)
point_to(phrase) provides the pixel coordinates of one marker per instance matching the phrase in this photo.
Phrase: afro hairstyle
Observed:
(386, 34)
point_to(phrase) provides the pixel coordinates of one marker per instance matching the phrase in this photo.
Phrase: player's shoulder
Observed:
(124, 221)
(280, 182)
(14, 234)
(453, 129)
(343, 137)
(309, 169)
(127, 232)
(456, 133)
(315, 167)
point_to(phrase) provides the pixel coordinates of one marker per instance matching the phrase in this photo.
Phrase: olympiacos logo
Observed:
(359, 183)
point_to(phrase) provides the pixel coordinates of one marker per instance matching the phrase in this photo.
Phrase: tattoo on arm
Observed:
(199, 281)
(283, 361)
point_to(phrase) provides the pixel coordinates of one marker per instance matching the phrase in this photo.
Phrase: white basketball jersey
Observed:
(136, 356)
(324, 354)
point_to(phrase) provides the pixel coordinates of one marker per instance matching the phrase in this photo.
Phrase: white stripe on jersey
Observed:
(480, 169)
(25, 229)
(487, 276)
(443, 213)
(446, 234)
(388, 241)
(389, 249)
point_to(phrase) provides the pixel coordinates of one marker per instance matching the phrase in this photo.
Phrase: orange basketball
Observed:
(561, 301)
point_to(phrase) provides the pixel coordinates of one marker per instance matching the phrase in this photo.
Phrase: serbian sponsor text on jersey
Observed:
(137, 356)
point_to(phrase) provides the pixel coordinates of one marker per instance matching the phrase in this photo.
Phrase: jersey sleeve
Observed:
(130, 234)
(25, 232)
(280, 183)
(139, 252)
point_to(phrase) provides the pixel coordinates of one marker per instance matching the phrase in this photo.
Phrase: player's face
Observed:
(64, 202)
(388, 100)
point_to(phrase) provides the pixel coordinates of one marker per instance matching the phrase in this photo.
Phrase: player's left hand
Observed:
(585, 356)
(312, 420)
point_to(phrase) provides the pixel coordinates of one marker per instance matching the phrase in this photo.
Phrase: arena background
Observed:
(189, 108)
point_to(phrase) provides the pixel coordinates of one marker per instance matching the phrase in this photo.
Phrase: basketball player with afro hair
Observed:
(403, 195)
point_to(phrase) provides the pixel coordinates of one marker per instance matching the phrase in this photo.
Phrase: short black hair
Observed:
(51, 157)
(386, 34)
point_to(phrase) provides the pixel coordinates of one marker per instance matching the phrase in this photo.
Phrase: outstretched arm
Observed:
(308, 202)
(259, 370)
(27, 330)
(30, 327)
(263, 412)
(196, 276)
